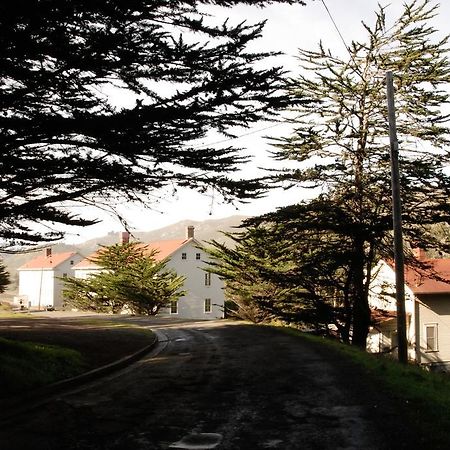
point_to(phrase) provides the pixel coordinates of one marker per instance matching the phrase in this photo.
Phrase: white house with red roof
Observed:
(40, 284)
(204, 297)
(427, 304)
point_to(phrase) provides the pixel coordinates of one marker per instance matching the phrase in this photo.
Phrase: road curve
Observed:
(207, 385)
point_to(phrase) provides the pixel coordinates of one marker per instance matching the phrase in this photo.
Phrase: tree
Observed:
(4, 278)
(63, 140)
(271, 274)
(240, 267)
(131, 279)
(340, 146)
(264, 281)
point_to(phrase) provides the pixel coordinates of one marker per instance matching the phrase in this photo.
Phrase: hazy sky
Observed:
(288, 28)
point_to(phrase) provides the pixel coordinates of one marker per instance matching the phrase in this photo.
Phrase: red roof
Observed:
(380, 316)
(47, 262)
(423, 283)
(164, 248)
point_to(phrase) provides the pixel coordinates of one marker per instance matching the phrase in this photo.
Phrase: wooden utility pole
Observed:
(397, 222)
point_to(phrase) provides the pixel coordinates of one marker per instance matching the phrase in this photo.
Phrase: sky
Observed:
(288, 28)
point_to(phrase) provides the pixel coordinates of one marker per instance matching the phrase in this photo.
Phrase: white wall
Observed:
(65, 268)
(434, 310)
(43, 286)
(38, 286)
(193, 303)
(382, 296)
(86, 273)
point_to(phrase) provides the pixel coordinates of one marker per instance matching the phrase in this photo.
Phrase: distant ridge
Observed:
(206, 230)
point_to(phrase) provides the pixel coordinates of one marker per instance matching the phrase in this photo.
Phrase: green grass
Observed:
(424, 397)
(27, 365)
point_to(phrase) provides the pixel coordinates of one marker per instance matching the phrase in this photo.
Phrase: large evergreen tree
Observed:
(131, 278)
(340, 146)
(5, 279)
(271, 274)
(63, 140)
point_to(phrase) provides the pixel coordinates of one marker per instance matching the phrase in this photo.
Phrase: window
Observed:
(183, 256)
(197, 256)
(71, 262)
(173, 307)
(64, 275)
(207, 305)
(207, 279)
(431, 336)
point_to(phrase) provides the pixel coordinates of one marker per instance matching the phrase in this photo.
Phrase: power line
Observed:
(240, 136)
(340, 34)
(335, 25)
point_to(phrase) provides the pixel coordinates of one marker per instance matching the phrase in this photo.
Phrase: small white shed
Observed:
(40, 284)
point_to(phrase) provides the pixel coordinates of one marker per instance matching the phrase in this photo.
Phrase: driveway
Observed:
(219, 385)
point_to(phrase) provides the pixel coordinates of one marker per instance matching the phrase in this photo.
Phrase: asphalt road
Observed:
(216, 385)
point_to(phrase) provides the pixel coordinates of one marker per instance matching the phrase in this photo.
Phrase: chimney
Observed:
(48, 252)
(419, 253)
(190, 232)
(124, 237)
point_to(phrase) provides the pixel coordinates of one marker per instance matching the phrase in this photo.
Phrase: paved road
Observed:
(213, 385)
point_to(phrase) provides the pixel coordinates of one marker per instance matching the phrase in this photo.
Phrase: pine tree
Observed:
(264, 281)
(4, 278)
(62, 139)
(340, 146)
(131, 279)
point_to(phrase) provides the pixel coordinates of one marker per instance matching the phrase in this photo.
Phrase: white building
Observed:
(204, 297)
(40, 284)
(427, 305)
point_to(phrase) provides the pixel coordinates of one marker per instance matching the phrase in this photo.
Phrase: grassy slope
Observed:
(26, 365)
(423, 397)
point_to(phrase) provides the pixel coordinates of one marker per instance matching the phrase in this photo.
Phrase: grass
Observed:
(28, 365)
(423, 397)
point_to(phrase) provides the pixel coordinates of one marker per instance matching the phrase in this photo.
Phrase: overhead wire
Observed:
(239, 136)
(280, 123)
(340, 35)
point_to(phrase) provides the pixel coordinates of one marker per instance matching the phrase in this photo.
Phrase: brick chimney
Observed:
(48, 252)
(190, 232)
(124, 237)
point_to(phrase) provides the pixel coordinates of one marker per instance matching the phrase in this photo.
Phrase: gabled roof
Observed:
(47, 262)
(164, 248)
(424, 283)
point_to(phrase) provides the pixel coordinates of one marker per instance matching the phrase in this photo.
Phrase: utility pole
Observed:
(397, 225)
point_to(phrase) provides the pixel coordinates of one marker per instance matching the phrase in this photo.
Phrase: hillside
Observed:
(204, 231)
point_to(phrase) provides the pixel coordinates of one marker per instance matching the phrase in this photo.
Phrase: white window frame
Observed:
(198, 256)
(208, 303)
(174, 307)
(434, 346)
(184, 255)
(207, 278)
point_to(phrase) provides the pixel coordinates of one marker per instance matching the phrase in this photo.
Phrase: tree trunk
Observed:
(361, 310)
